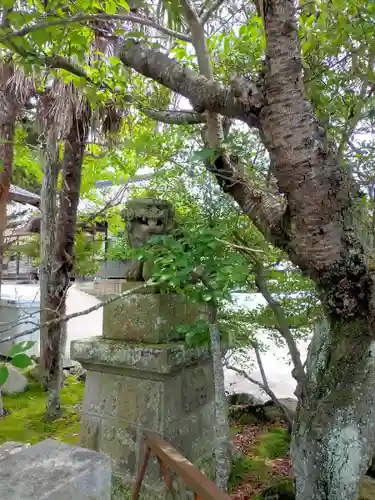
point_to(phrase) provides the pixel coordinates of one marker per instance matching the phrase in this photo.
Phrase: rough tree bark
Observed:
(334, 433)
(74, 149)
(222, 445)
(47, 243)
(6, 162)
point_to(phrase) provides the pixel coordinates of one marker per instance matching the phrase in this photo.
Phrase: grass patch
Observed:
(26, 422)
(273, 444)
(245, 469)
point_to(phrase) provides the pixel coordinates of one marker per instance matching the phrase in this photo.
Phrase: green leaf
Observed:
(204, 154)
(207, 296)
(3, 374)
(21, 361)
(20, 347)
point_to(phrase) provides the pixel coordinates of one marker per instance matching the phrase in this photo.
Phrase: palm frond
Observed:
(15, 90)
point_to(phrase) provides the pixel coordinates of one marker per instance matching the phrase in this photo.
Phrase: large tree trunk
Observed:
(311, 221)
(334, 433)
(63, 261)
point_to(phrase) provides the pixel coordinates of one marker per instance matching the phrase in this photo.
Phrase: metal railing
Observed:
(170, 460)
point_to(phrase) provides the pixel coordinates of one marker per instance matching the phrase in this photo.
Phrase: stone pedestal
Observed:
(142, 377)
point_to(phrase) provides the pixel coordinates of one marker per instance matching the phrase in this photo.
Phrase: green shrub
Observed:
(273, 444)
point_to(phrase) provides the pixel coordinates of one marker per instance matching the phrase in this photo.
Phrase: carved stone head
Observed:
(146, 217)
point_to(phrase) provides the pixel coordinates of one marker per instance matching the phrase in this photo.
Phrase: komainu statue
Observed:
(144, 218)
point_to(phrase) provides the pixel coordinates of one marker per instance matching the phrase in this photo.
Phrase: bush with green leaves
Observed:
(119, 249)
(196, 261)
(18, 358)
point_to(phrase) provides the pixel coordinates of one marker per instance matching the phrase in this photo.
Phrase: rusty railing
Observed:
(170, 460)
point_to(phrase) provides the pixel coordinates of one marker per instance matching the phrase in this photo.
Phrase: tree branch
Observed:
(203, 94)
(298, 372)
(265, 209)
(356, 113)
(174, 117)
(66, 318)
(206, 16)
(264, 387)
(43, 25)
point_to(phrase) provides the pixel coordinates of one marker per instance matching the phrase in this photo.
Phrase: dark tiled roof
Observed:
(21, 195)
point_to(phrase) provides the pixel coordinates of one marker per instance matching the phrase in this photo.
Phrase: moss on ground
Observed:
(26, 422)
(273, 444)
(255, 466)
(246, 469)
(283, 490)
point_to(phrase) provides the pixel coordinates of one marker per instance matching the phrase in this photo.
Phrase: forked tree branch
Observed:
(203, 94)
(210, 11)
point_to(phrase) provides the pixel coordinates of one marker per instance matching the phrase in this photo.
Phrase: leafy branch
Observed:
(79, 18)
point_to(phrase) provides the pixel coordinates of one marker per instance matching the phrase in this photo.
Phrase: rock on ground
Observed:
(16, 383)
(10, 448)
(74, 368)
(243, 398)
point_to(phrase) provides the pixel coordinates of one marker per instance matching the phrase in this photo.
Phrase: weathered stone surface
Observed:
(120, 441)
(10, 448)
(149, 317)
(15, 383)
(105, 288)
(161, 359)
(55, 471)
(144, 218)
(74, 369)
(128, 399)
(167, 390)
(136, 382)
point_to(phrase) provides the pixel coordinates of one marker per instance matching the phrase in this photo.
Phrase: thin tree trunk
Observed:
(221, 410)
(285, 411)
(63, 260)
(334, 434)
(7, 131)
(47, 243)
(1, 406)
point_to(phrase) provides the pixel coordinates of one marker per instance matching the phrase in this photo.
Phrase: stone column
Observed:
(142, 377)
